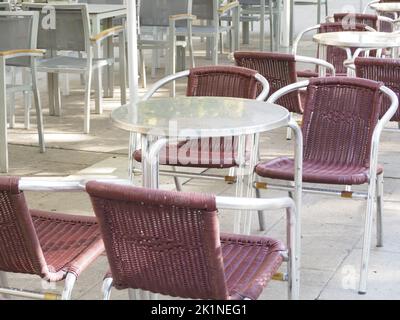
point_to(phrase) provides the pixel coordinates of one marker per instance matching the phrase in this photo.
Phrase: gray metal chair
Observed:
(259, 11)
(211, 12)
(70, 31)
(18, 49)
(165, 16)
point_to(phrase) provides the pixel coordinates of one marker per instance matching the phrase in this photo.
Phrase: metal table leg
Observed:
(97, 73)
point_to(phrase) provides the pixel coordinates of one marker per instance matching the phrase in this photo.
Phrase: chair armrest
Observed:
(286, 90)
(228, 6)
(318, 62)
(163, 82)
(254, 204)
(182, 16)
(300, 36)
(8, 54)
(107, 33)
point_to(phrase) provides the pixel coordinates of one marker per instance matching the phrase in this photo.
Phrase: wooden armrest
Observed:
(107, 33)
(228, 6)
(182, 16)
(22, 52)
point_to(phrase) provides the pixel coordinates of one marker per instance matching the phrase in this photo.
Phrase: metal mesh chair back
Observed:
(340, 115)
(279, 69)
(205, 9)
(223, 81)
(156, 13)
(163, 242)
(20, 251)
(62, 27)
(384, 70)
(334, 55)
(18, 31)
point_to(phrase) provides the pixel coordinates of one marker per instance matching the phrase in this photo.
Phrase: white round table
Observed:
(160, 121)
(362, 40)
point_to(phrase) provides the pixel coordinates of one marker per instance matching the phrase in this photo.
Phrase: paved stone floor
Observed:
(332, 227)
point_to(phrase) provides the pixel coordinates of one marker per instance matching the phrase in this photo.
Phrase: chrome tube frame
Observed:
(318, 62)
(373, 181)
(292, 256)
(106, 288)
(372, 186)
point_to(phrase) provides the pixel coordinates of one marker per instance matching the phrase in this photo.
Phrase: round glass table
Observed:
(361, 40)
(161, 121)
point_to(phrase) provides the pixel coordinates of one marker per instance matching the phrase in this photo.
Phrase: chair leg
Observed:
(11, 101)
(57, 94)
(27, 111)
(122, 71)
(38, 108)
(50, 93)
(289, 131)
(69, 285)
(3, 119)
(143, 69)
(379, 210)
(87, 102)
(261, 216)
(326, 8)
(177, 181)
(214, 49)
(106, 289)
(367, 238)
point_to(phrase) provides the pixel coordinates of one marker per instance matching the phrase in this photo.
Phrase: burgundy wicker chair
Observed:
(280, 71)
(221, 81)
(384, 70)
(169, 243)
(334, 55)
(341, 130)
(52, 246)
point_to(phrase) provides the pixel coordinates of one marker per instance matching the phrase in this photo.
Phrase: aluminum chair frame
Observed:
(92, 63)
(56, 185)
(33, 54)
(135, 138)
(237, 204)
(375, 185)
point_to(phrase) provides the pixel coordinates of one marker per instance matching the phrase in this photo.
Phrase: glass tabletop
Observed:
(358, 39)
(104, 8)
(195, 117)
(386, 6)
